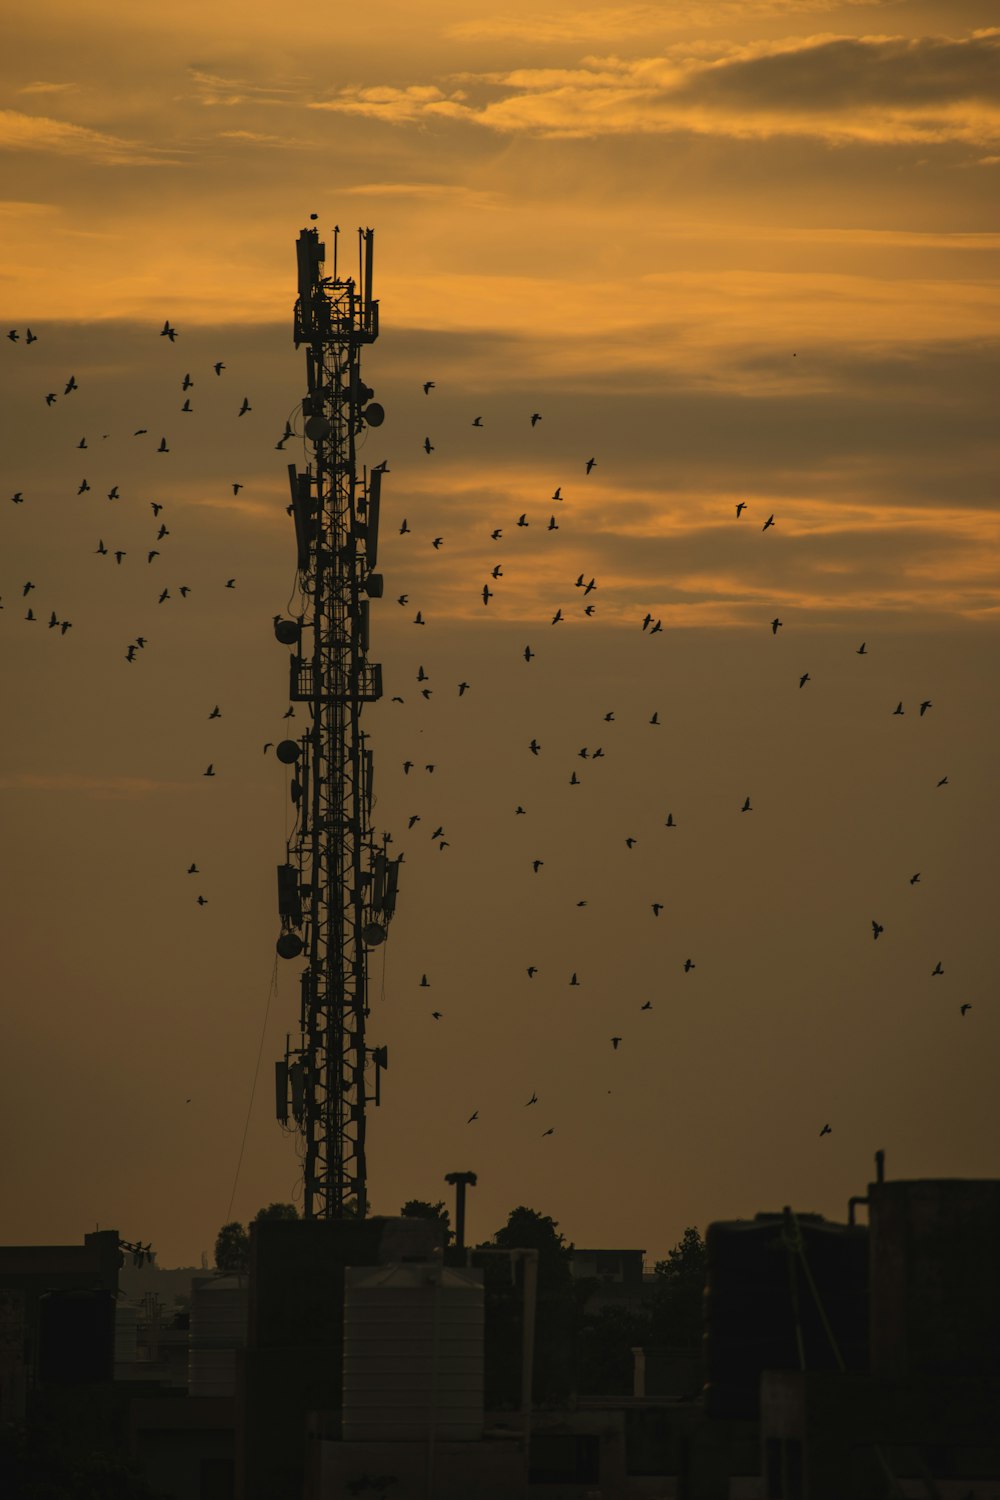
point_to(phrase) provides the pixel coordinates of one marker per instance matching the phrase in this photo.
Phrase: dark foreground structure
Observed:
(840, 1362)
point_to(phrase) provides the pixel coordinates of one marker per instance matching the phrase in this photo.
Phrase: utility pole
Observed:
(460, 1181)
(337, 887)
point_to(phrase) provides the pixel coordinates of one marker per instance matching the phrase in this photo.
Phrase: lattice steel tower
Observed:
(337, 888)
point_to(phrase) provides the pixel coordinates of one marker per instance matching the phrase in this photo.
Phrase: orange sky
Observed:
(736, 251)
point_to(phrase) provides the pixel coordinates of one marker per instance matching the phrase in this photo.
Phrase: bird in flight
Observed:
(937, 969)
(528, 654)
(557, 617)
(71, 385)
(862, 649)
(532, 1100)
(614, 1042)
(245, 407)
(557, 492)
(477, 421)
(473, 1116)
(925, 706)
(193, 869)
(487, 593)
(522, 519)
(163, 446)
(50, 398)
(436, 544)
(746, 806)
(551, 1131)
(428, 445)
(166, 332)
(804, 679)
(425, 983)
(768, 522)
(536, 865)
(130, 653)
(657, 908)
(670, 821)
(210, 771)
(230, 583)
(689, 964)
(536, 417)
(647, 1005)
(404, 529)
(965, 1007)
(656, 718)
(573, 979)
(534, 747)
(943, 781)
(532, 971)
(876, 929)
(216, 713)
(186, 383)
(428, 387)
(826, 1131)
(741, 506)
(236, 488)
(218, 367)
(915, 878)
(437, 1014)
(463, 688)
(591, 462)
(776, 625)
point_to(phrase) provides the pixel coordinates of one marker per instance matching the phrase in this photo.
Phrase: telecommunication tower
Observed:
(337, 887)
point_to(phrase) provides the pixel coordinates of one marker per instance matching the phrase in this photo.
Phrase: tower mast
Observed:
(337, 888)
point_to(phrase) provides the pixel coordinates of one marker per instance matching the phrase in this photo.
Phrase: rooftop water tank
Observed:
(218, 1328)
(413, 1353)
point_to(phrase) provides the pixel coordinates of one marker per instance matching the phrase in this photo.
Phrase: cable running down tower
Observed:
(337, 888)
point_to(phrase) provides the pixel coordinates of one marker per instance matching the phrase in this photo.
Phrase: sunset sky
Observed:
(736, 250)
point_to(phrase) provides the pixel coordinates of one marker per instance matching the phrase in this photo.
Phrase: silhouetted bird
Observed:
(193, 870)
(943, 781)
(186, 383)
(65, 625)
(876, 929)
(925, 706)
(17, 498)
(166, 332)
(155, 507)
(50, 398)
(428, 445)
(532, 1100)
(557, 492)
(629, 842)
(425, 983)
(534, 747)
(609, 717)
(689, 964)
(557, 617)
(573, 979)
(428, 387)
(899, 707)
(403, 599)
(528, 653)
(915, 878)
(100, 550)
(590, 464)
(657, 908)
(436, 544)
(551, 1131)
(862, 649)
(741, 506)
(647, 1006)
(210, 771)
(767, 523)
(938, 969)
(804, 679)
(657, 628)
(614, 1042)
(187, 405)
(163, 446)
(519, 812)
(236, 488)
(216, 713)
(776, 625)
(437, 1014)
(496, 535)
(536, 865)
(473, 1116)
(82, 443)
(130, 653)
(218, 367)
(497, 571)
(71, 385)
(289, 713)
(536, 417)
(13, 335)
(477, 421)
(826, 1131)
(32, 337)
(463, 688)
(244, 408)
(965, 1007)
(119, 556)
(202, 900)
(522, 519)
(230, 583)
(84, 487)
(574, 780)
(746, 806)
(532, 971)
(404, 529)
(656, 718)
(418, 619)
(670, 821)
(487, 593)
(151, 555)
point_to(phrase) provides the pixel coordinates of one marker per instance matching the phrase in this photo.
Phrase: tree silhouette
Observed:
(232, 1243)
(555, 1318)
(419, 1208)
(677, 1302)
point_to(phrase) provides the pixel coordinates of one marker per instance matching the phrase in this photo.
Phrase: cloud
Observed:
(873, 89)
(637, 20)
(21, 132)
(40, 87)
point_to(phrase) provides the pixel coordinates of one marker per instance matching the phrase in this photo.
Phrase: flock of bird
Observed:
(648, 625)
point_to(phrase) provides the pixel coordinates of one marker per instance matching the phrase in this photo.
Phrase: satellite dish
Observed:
(374, 414)
(288, 752)
(373, 934)
(317, 427)
(289, 945)
(287, 631)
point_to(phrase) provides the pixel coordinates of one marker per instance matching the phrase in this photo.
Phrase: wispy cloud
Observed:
(21, 132)
(873, 89)
(41, 87)
(617, 21)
